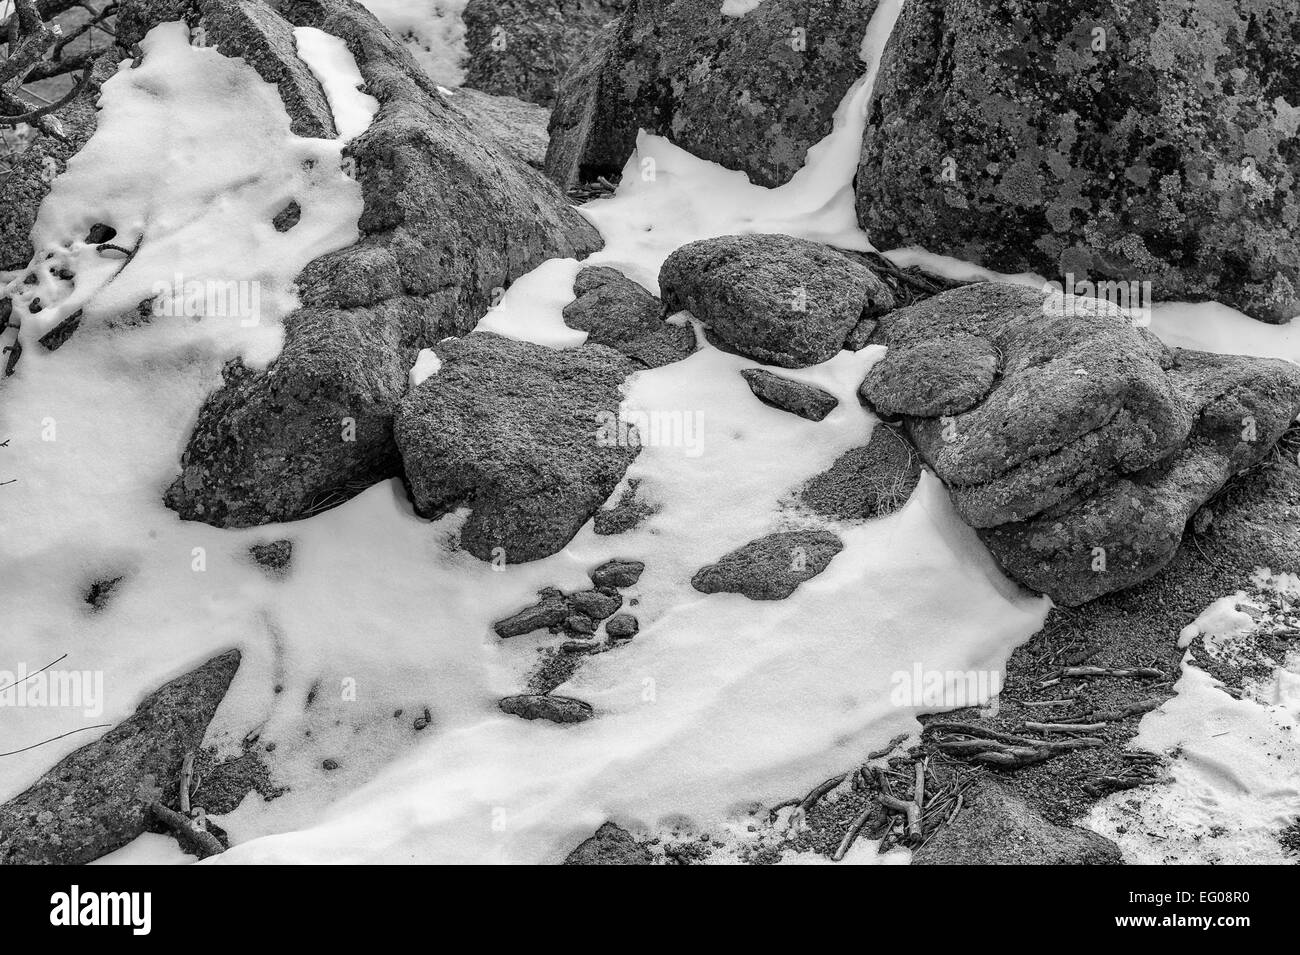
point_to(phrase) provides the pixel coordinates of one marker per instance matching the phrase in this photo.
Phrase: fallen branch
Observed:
(189, 835)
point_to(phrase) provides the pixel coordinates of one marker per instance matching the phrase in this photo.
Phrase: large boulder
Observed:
(97, 798)
(522, 48)
(513, 431)
(517, 125)
(867, 482)
(1151, 141)
(780, 300)
(615, 311)
(751, 92)
(451, 216)
(1074, 442)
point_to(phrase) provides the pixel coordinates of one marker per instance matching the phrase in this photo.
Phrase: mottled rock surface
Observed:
(451, 217)
(995, 827)
(1147, 141)
(1077, 444)
(615, 311)
(771, 79)
(96, 799)
(516, 125)
(780, 300)
(508, 428)
(522, 48)
(611, 845)
(786, 394)
(618, 573)
(772, 567)
(871, 481)
(543, 706)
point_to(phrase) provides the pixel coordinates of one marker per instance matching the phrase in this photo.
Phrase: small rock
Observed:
(596, 604)
(806, 401)
(330, 764)
(579, 623)
(617, 573)
(541, 706)
(622, 626)
(871, 481)
(772, 567)
(273, 556)
(550, 612)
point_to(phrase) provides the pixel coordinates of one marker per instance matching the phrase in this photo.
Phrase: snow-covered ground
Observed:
(433, 29)
(718, 705)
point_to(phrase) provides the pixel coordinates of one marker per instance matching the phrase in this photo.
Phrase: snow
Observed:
(434, 30)
(738, 8)
(427, 364)
(329, 60)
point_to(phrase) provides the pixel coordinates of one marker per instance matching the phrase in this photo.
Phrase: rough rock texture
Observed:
(24, 188)
(450, 218)
(771, 79)
(618, 573)
(617, 312)
(516, 125)
(611, 845)
(273, 556)
(550, 611)
(871, 481)
(1148, 141)
(772, 567)
(96, 799)
(622, 626)
(509, 428)
(777, 299)
(1077, 444)
(996, 828)
(542, 706)
(786, 394)
(522, 48)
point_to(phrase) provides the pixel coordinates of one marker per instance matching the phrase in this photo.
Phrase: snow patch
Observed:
(332, 64)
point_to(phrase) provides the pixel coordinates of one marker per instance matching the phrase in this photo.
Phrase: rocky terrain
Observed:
(615, 429)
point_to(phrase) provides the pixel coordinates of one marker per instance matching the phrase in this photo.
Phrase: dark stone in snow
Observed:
(617, 312)
(871, 481)
(617, 573)
(611, 845)
(541, 706)
(1000, 134)
(772, 567)
(622, 626)
(288, 217)
(596, 604)
(751, 93)
(96, 799)
(508, 428)
(777, 299)
(273, 556)
(580, 624)
(551, 611)
(785, 394)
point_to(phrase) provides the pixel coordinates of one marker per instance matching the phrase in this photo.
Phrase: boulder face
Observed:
(513, 430)
(771, 78)
(96, 799)
(1151, 141)
(1074, 442)
(521, 48)
(777, 299)
(451, 216)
